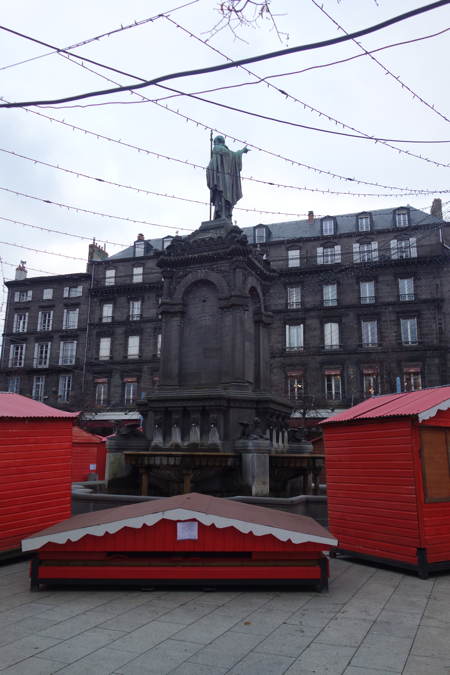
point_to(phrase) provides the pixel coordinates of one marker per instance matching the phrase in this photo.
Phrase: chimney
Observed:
(21, 271)
(96, 252)
(436, 208)
(310, 216)
(140, 237)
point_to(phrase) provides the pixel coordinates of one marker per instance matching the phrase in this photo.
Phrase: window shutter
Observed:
(356, 256)
(413, 247)
(337, 253)
(320, 255)
(61, 347)
(394, 250)
(374, 250)
(66, 291)
(16, 296)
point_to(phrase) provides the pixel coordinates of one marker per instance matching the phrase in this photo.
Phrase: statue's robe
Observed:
(223, 174)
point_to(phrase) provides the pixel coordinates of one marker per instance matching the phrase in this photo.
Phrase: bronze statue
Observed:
(223, 177)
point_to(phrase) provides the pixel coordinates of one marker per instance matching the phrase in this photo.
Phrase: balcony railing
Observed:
(330, 302)
(406, 297)
(367, 299)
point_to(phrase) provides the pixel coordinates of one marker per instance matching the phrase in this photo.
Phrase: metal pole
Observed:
(210, 155)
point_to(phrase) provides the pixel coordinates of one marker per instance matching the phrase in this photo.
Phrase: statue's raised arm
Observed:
(223, 176)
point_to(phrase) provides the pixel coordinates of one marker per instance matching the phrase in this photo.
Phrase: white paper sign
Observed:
(92, 467)
(187, 530)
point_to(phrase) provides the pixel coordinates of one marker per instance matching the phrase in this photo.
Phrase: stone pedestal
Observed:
(255, 465)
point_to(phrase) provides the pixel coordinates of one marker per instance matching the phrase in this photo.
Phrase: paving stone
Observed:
(287, 640)
(101, 662)
(312, 619)
(427, 665)
(398, 624)
(188, 613)
(289, 601)
(322, 659)
(226, 650)
(383, 652)
(161, 659)
(343, 631)
(354, 670)
(21, 649)
(261, 622)
(188, 668)
(73, 626)
(207, 629)
(438, 608)
(408, 602)
(432, 641)
(81, 645)
(148, 636)
(261, 664)
(134, 618)
(34, 666)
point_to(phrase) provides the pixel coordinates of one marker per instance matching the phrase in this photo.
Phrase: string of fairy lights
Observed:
(400, 191)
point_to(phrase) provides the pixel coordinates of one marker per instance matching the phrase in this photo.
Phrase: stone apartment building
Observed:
(359, 304)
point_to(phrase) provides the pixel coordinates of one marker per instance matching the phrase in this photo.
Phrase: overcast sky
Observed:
(358, 93)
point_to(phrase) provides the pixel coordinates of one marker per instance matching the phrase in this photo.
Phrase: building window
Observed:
(328, 226)
(139, 248)
(369, 333)
(329, 295)
(73, 291)
(64, 388)
(107, 312)
(166, 241)
(412, 378)
(333, 385)
(403, 248)
(130, 391)
(295, 385)
(38, 387)
(371, 382)
(365, 252)
(17, 355)
(294, 297)
(138, 275)
(406, 289)
(408, 331)
(67, 352)
(47, 294)
(294, 337)
(23, 296)
(20, 322)
(367, 292)
(110, 277)
(364, 222)
(331, 335)
(41, 354)
(328, 255)
(70, 319)
(260, 234)
(401, 218)
(135, 310)
(104, 349)
(133, 347)
(158, 344)
(45, 320)
(14, 384)
(101, 391)
(293, 257)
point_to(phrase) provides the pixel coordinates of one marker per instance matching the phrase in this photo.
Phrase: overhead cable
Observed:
(240, 62)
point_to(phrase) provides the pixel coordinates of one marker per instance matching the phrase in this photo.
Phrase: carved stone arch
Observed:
(252, 286)
(201, 276)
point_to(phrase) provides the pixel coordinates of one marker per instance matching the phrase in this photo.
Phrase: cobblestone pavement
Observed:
(372, 622)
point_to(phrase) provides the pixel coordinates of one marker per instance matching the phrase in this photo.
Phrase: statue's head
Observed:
(219, 140)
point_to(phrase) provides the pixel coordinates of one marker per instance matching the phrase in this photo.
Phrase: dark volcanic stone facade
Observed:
(360, 306)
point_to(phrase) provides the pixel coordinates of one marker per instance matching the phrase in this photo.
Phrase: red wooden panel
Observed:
(162, 537)
(35, 483)
(73, 572)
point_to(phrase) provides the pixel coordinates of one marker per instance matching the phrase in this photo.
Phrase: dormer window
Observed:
(166, 241)
(139, 247)
(401, 218)
(261, 234)
(364, 222)
(328, 226)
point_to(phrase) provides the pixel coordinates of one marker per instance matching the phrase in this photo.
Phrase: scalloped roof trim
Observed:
(33, 543)
(431, 412)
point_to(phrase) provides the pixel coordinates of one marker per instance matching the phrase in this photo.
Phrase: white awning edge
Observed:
(431, 412)
(33, 543)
